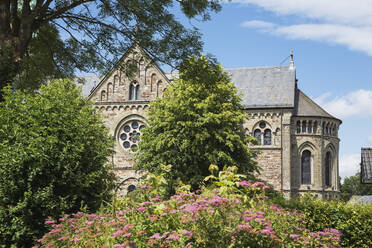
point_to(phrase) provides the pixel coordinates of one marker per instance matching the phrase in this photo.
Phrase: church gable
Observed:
(134, 78)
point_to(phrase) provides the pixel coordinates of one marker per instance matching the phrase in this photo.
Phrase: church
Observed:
(298, 140)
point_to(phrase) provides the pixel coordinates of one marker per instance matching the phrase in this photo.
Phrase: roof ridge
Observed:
(258, 67)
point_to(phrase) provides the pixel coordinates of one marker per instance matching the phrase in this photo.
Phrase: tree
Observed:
(198, 122)
(353, 186)
(95, 33)
(53, 160)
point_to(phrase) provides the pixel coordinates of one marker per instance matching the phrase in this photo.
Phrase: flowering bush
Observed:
(207, 218)
(354, 221)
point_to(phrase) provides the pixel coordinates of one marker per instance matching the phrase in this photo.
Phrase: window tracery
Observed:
(134, 91)
(130, 133)
(263, 134)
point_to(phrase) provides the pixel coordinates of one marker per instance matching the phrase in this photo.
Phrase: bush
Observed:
(53, 160)
(354, 221)
(212, 217)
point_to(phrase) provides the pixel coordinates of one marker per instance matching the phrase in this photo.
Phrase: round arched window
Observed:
(130, 134)
(131, 188)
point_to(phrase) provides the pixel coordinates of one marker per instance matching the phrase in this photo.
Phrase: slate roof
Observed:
(360, 199)
(265, 87)
(366, 165)
(307, 107)
(91, 81)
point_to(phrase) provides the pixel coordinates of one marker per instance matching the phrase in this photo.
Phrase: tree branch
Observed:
(57, 13)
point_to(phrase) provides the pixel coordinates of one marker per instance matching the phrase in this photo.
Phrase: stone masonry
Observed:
(299, 142)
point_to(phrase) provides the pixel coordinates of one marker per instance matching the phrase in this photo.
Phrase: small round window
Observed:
(130, 134)
(262, 124)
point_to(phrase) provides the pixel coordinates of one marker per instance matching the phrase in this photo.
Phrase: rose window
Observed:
(130, 134)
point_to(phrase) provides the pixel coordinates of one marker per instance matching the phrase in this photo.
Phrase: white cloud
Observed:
(370, 139)
(258, 24)
(355, 104)
(343, 22)
(356, 12)
(349, 164)
(355, 38)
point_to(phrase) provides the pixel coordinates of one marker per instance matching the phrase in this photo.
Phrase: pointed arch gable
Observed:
(125, 56)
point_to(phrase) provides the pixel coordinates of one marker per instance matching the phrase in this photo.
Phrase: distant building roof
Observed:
(361, 199)
(91, 81)
(366, 165)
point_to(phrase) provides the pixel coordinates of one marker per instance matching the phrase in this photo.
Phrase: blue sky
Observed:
(332, 44)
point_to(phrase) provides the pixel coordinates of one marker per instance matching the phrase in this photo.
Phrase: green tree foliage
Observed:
(95, 34)
(198, 122)
(353, 186)
(53, 160)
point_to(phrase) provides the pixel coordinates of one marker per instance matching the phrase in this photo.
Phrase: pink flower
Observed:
(63, 238)
(293, 236)
(244, 183)
(77, 239)
(141, 208)
(259, 184)
(49, 221)
(120, 245)
(265, 231)
(147, 203)
(156, 236)
(146, 187)
(246, 219)
(54, 231)
(174, 237)
(157, 198)
(187, 233)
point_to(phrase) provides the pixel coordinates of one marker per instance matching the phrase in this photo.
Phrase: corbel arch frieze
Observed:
(120, 108)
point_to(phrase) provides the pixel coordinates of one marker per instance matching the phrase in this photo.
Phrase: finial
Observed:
(291, 65)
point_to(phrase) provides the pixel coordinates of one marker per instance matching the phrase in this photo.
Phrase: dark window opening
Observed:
(131, 188)
(257, 135)
(306, 167)
(327, 169)
(267, 137)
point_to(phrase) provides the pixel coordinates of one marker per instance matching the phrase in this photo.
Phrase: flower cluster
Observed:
(205, 219)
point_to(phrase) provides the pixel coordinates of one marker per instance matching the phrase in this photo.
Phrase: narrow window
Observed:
(327, 169)
(158, 88)
(267, 137)
(309, 127)
(103, 95)
(131, 92)
(324, 130)
(137, 92)
(298, 127)
(304, 126)
(315, 127)
(153, 82)
(257, 135)
(306, 167)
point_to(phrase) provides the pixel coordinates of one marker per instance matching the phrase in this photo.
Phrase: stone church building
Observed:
(298, 140)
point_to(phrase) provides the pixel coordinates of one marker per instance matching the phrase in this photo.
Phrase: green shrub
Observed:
(53, 155)
(354, 221)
